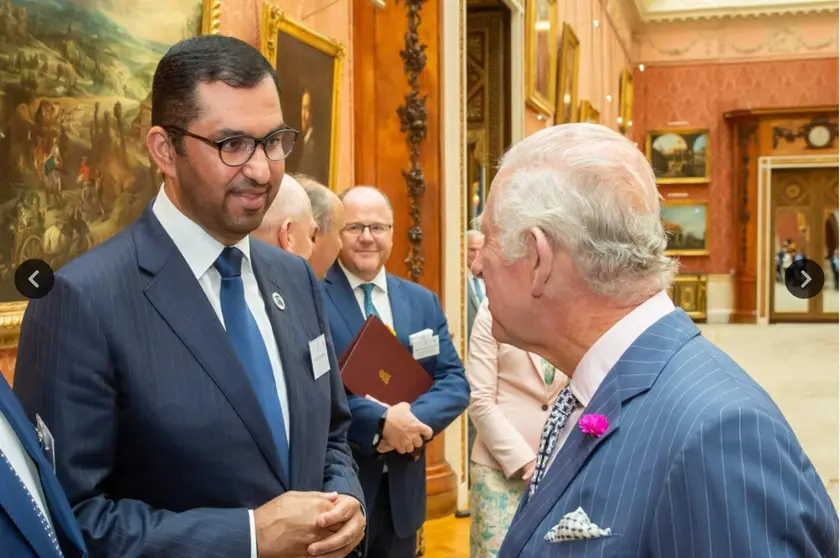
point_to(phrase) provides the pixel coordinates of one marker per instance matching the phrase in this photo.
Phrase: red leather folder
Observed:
(376, 363)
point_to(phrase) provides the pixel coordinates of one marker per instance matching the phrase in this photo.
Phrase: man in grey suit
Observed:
(660, 445)
(186, 370)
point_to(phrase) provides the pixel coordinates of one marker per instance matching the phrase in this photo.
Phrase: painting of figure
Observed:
(310, 78)
(679, 156)
(687, 227)
(75, 90)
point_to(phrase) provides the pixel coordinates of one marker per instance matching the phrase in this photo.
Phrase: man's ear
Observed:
(284, 235)
(542, 257)
(161, 150)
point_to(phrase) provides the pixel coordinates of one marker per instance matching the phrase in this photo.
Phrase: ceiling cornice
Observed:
(656, 11)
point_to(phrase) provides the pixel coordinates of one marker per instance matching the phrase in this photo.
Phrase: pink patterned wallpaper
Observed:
(697, 96)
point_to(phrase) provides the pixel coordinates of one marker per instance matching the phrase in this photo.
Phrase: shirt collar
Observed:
(380, 281)
(607, 351)
(199, 249)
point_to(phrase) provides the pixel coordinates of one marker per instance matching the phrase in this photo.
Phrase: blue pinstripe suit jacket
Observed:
(161, 445)
(697, 461)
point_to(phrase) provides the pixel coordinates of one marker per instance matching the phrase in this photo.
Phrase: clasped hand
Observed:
(297, 524)
(403, 431)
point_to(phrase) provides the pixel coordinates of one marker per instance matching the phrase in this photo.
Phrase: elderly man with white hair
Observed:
(288, 222)
(660, 445)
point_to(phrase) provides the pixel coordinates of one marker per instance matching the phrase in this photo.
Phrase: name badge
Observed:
(318, 353)
(46, 440)
(425, 346)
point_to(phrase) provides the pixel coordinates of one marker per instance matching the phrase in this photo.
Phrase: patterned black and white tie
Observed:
(563, 407)
(47, 527)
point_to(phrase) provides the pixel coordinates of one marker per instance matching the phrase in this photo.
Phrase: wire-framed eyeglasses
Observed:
(235, 151)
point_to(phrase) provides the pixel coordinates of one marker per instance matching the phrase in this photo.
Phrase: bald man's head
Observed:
(288, 223)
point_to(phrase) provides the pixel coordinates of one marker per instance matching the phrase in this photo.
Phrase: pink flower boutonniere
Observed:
(594, 425)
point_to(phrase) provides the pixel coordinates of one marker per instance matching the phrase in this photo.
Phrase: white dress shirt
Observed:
(23, 465)
(201, 250)
(605, 354)
(379, 295)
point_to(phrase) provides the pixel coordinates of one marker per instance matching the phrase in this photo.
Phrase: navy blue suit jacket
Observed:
(161, 444)
(414, 309)
(697, 461)
(21, 532)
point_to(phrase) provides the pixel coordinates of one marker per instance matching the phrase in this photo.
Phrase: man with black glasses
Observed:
(384, 439)
(184, 369)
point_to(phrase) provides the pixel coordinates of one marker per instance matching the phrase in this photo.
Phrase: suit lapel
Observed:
(342, 296)
(634, 374)
(13, 497)
(282, 323)
(400, 310)
(177, 296)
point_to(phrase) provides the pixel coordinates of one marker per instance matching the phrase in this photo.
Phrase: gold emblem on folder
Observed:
(384, 376)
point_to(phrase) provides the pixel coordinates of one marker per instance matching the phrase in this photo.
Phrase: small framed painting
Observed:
(679, 156)
(686, 223)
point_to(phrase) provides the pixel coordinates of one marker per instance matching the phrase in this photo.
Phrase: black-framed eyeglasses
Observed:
(235, 151)
(376, 229)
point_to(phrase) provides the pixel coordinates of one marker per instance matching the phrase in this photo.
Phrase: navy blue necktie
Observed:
(249, 346)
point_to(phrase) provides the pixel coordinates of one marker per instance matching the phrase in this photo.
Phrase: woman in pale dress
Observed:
(511, 394)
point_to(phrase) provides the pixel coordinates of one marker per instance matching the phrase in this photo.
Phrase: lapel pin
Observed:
(278, 301)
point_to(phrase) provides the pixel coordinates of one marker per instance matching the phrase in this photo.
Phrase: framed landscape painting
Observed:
(75, 107)
(679, 156)
(310, 81)
(687, 225)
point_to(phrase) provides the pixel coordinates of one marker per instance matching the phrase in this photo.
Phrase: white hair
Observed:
(474, 232)
(593, 194)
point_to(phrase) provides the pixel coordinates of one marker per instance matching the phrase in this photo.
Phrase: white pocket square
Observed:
(576, 526)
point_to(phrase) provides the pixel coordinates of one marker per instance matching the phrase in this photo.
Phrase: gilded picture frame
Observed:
(80, 167)
(687, 224)
(541, 55)
(688, 292)
(625, 98)
(308, 87)
(588, 113)
(680, 155)
(568, 76)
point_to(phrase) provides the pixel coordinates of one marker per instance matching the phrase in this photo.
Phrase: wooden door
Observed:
(803, 223)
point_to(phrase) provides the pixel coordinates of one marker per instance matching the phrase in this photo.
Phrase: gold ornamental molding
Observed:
(663, 11)
(211, 18)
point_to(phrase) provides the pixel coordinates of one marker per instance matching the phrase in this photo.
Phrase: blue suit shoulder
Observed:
(103, 262)
(412, 288)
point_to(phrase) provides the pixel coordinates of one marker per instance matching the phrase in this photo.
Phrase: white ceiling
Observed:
(668, 10)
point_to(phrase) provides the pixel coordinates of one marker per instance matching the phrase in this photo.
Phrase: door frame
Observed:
(766, 165)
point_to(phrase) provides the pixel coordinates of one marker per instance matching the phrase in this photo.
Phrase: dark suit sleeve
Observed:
(65, 373)
(450, 392)
(742, 486)
(341, 472)
(366, 415)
